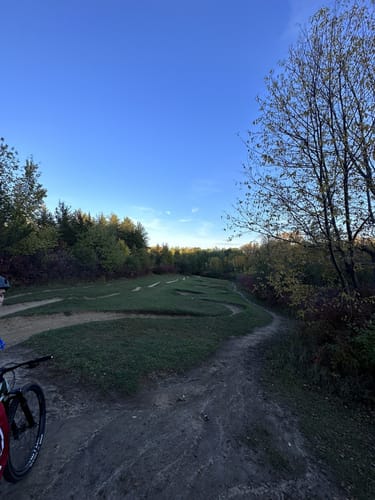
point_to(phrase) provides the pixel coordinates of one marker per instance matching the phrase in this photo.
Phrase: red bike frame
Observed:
(4, 439)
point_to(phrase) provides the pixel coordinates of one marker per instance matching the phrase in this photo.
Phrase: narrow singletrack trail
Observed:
(212, 433)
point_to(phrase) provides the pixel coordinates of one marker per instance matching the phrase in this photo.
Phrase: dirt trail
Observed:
(210, 434)
(18, 328)
(14, 308)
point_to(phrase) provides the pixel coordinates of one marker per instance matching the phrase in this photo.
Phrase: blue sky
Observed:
(140, 107)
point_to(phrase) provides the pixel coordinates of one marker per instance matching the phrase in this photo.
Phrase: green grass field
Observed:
(196, 315)
(169, 294)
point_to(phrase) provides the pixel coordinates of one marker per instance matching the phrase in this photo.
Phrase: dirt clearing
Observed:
(212, 433)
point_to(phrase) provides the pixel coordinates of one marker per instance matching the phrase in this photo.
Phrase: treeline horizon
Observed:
(38, 245)
(71, 245)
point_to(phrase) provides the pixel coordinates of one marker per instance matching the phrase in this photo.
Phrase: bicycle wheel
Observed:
(27, 419)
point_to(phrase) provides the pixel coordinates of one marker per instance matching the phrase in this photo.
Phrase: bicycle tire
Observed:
(27, 420)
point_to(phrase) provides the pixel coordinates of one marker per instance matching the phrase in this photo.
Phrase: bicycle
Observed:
(22, 423)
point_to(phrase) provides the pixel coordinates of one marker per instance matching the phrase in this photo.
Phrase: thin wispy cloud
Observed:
(205, 186)
(154, 224)
(141, 208)
(194, 210)
(205, 228)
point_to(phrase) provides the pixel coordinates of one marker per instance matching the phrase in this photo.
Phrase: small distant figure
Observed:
(4, 285)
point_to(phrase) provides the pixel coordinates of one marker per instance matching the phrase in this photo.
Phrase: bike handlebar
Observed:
(32, 363)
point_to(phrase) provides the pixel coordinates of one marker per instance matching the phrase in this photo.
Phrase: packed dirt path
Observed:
(212, 433)
(16, 329)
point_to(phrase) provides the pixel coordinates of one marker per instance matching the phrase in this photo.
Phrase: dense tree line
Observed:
(37, 245)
